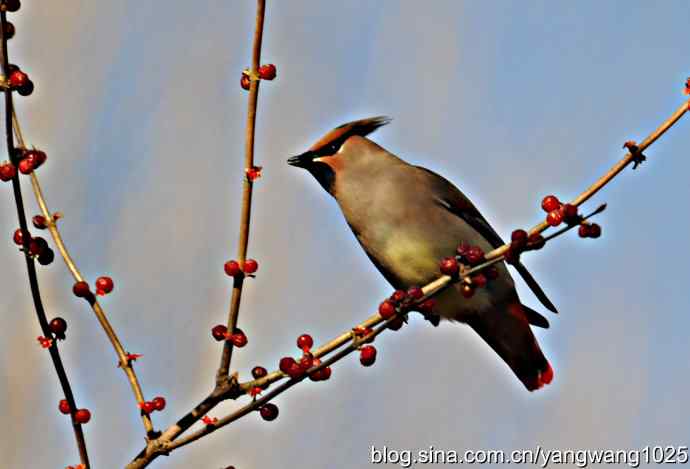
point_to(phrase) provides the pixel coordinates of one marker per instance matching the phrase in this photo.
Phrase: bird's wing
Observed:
(455, 202)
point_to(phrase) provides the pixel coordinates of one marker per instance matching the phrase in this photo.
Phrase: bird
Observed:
(407, 218)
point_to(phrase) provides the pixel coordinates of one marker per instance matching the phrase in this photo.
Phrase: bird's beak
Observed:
(303, 160)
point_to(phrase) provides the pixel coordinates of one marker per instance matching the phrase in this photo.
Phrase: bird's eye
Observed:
(331, 148)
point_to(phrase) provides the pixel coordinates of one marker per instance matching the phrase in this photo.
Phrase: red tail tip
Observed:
(546, 376)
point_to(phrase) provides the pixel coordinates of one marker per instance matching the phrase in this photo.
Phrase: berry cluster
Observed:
(158, 403)
(471, 256)
(80, 416)
(234, 269)
(297, 368)
(37, 246)
(18, 80)
(238, 337)
(589, 230)
(558, 212)
(28, 160)
(401, 302)
(41, 223)
(266, 72)
(104, 285)
(520, 241)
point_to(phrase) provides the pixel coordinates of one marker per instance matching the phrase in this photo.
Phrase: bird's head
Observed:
(333, 152)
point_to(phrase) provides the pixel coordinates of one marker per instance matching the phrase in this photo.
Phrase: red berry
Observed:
(415, 293)
(58, 326)
(259, 372)
(218, 332)
(554, 218)
(286, 363)
(159, 403)
(325, 373)
(305, 342)
(104, 285)
(9, 30)
(387, 309)
(7, 171)
(398, 296)
(12, 5)
(518, 238)
(320, 375)
(583, 230)
(367, 355)
(26, 89)
(550, 203)
(18, 237)
(269, 412)
(238, 338)
(569, 213)
(307, 361)
(467, 290)
(427, 306)
(18, 78)
(479, 280)
(245, 82)
(396, 323)
(232, 268)
(449, 266)
(81, 289)
(594, 231)
(463, 249)
(36, 247)
(250, 266)
(26, 166)
(82, 416)
(147, 407)
(474, 255)
(47, 256)
(295, 370)
(64, 406)
(37, 157)
(536, 241)
(267, 72)
(40, 222)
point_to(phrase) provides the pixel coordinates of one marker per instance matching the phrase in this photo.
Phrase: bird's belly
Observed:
(407, 259)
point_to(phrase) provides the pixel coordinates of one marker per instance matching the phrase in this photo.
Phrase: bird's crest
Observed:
(362, 127)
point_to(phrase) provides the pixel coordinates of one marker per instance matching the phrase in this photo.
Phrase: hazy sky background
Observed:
(139, 108)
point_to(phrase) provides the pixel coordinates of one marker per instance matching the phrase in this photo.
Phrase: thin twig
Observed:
(30, 265)
(245, 215)
(444, 280)
(258, 403)
(224, 381)
(123, 361)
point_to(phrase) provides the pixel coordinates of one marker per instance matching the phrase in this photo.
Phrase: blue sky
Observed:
(139, 109)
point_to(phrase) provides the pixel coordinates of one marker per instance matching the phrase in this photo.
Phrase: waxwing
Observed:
(407, 219)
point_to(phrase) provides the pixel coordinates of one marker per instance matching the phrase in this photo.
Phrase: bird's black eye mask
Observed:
(306, 159)
(329, 149)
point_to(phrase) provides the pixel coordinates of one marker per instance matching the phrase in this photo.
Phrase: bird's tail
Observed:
(507, 331)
